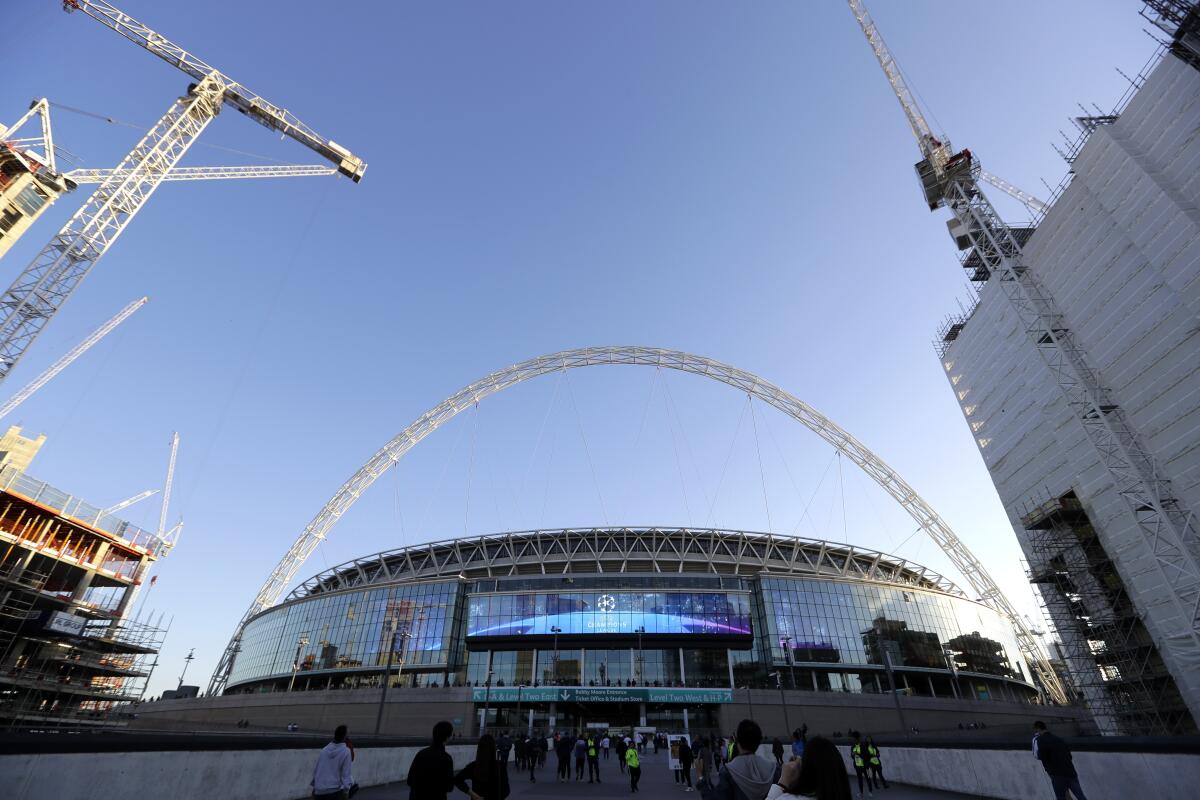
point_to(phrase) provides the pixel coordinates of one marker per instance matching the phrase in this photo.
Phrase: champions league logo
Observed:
(606, 603)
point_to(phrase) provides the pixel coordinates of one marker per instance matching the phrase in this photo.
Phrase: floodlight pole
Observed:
(303, 640)
(787, 724)
(786, 641)
(487, 699)
(556, 631)
(641, 659)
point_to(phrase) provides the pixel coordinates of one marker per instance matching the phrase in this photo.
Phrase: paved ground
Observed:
(657, 784)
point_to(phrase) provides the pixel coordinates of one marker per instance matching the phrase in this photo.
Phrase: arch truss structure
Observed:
(887, 478)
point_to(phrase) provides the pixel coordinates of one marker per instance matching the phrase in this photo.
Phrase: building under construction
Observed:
(69, 572)
(1077, 416)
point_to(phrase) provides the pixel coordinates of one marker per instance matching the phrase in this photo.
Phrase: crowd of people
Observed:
(814, 768)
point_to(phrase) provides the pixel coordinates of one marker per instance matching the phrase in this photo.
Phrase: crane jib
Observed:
(260, 110)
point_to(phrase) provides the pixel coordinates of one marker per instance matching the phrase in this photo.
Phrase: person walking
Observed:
(331, 778)
(431, 775)
(533, 752)
(703, 758)
(504, 746)
(634, 765)
(718, 753)
(593, 758)
(798, 742)
(875, 764)
(519, 752)
(1055, 756)
(748, 776)
(686, 757)
(605, 743)
(562, 749)
(860, 766)
(580, 757)
(485, 778)
(820, 774)
(777, 751)
(621, 748)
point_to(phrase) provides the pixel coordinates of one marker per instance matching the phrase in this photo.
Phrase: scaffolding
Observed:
(1111, 656)
(95, 678)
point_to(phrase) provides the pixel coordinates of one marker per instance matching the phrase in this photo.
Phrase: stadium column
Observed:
(553, 716)
(642, 714)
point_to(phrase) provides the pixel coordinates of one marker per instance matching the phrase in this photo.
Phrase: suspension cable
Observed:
(678, 463)
(471, 466)
(721, 481)
(762, 475)
(586, 449)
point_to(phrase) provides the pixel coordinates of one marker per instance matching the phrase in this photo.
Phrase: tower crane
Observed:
(137, 498)
(1027, 199)
(951, 179)
(30, 182)
(166, 497)
(82, 176)
(54, 274)
(74, 353)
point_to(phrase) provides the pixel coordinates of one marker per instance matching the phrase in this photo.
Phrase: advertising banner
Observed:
(673, 740)
(600, 694)
(609, 613)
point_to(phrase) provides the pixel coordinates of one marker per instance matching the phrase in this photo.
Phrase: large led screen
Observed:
(657, 613)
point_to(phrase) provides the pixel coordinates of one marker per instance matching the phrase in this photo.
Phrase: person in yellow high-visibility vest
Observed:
(635, 768)
(874, 764)
(858, 754)
(593, 758)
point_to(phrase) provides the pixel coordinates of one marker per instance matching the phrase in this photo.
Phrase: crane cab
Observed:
(27, 188)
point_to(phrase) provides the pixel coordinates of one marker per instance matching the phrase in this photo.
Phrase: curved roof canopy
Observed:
(617, 550)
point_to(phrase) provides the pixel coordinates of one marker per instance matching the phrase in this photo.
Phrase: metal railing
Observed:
(66, 505)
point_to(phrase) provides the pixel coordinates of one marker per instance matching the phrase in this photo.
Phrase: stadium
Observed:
(626, 627)
(631, 627)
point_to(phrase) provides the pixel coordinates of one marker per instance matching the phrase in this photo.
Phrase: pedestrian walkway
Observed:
(657, 783)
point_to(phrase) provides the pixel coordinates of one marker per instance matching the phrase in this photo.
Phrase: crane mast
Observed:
(56, 272)
(1169, 529)
(75, 352)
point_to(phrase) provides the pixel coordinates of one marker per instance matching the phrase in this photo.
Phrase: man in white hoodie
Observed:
(331, 776)
(746, 776)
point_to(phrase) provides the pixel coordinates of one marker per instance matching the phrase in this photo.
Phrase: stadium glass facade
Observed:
(730, 627)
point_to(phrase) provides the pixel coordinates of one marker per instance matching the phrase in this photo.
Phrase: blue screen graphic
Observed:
(609, 613)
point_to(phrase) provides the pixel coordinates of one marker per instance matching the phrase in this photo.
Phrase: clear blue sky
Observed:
(729, 180)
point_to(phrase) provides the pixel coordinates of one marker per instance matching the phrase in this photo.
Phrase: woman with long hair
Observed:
(820, 773)
(488, 775)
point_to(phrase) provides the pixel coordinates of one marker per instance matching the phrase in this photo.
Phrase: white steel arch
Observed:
(794, 407)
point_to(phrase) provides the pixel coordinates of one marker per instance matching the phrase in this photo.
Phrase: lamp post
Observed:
(300, 643)
(786, 641)
(950, 662)
(887, 666)
(787, 724)
(749, 700)
(187, 662)
(387, 670)
(556, 631)
(487, 699)
(641, 659)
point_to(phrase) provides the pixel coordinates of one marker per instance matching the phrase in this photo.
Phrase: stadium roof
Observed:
(617, 550)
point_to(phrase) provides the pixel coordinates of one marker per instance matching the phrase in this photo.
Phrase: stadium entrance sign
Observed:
(601, 694)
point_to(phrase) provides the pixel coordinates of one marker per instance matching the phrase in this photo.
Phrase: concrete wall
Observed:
(412, 712)
(408, 712)
(183, 775)
(1017, 774)
(827, 712)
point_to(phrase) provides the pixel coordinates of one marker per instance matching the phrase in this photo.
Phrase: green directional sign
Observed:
(600, 694)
